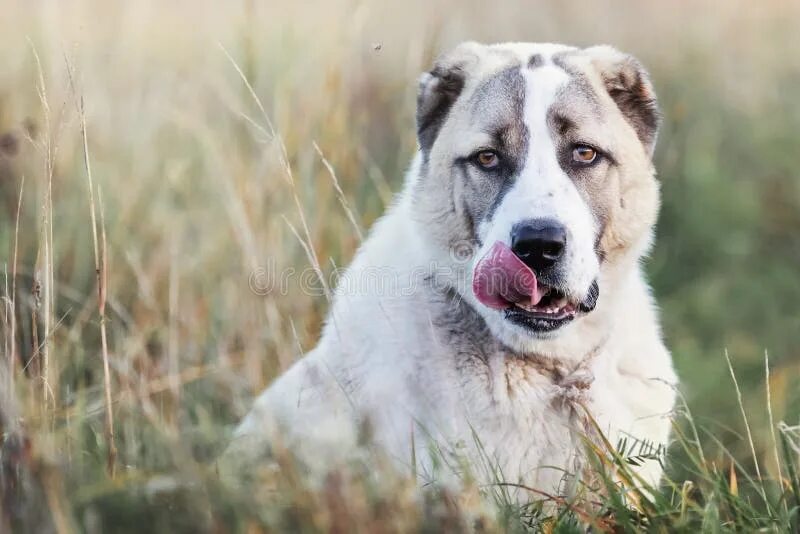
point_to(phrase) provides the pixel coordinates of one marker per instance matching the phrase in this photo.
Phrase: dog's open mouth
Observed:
(553, 304)
(553, 311)
(503, 282)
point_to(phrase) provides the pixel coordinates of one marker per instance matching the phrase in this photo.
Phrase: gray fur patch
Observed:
(438, 91)
(497, 107)
(628, 84)
(560, 60)
(575, 117)
(630, 89)
(535, 61)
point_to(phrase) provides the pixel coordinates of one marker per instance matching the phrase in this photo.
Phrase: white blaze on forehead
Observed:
(538, 177)
(542, 189)
(542, 87)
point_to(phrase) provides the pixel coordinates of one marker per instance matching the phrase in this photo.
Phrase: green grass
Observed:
(197, 195)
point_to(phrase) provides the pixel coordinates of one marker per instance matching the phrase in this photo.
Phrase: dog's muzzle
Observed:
(540, 244)
(523, 280)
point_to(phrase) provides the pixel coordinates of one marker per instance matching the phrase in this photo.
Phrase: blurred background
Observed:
(195, 193)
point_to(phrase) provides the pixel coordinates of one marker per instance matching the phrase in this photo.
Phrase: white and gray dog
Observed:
(517, 320)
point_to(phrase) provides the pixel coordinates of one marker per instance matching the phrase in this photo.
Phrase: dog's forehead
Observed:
(523, 52)
(512, 90)
(509, 71)
(507, 76)
(497, 57)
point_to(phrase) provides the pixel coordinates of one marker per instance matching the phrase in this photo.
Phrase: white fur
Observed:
(543, 190)
(380, 357)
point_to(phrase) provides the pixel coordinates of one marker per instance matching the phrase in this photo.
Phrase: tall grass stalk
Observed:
(101, 274)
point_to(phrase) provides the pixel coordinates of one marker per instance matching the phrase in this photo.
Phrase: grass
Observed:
(153, 163)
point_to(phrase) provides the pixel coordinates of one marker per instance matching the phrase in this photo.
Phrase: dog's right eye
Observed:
(488, 159)
(584, 154)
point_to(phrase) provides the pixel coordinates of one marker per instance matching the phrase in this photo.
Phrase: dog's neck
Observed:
(454, 319)
(462, 327)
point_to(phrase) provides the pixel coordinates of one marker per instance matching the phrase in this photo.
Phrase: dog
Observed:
(498, 312)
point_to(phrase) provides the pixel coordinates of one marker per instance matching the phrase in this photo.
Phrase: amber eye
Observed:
(583, 154)
(487, 159)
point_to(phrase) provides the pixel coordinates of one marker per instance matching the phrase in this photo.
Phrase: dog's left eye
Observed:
(488, 159)
(583, 154)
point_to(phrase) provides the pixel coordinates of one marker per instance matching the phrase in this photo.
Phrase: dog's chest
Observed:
(526, 417)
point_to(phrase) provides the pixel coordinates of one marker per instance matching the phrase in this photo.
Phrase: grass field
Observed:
(154, 156)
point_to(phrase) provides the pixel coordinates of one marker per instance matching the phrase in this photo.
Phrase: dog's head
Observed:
(540, 156)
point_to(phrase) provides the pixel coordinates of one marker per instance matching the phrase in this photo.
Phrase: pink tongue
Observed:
(501, 279)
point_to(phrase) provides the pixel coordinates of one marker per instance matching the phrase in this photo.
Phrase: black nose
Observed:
(539, 242)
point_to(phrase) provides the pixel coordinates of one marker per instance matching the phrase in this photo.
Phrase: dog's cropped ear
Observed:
(629, 85)
(438, 90)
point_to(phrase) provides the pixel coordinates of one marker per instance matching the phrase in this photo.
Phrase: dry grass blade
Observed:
(45, 290)
(173, 325)
(13, 327)
(340, 193)
(101, 305)
(6, 323)
(308, 244)
(600, 523)
(250, 89)
(747, 428)
(733, 486)
(772, 424)
(101, 272)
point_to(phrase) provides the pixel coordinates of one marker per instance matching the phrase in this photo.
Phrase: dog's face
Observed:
(539, 155)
